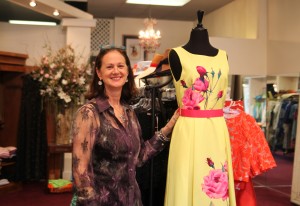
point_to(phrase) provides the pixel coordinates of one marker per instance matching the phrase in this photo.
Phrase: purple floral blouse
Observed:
(106, 154)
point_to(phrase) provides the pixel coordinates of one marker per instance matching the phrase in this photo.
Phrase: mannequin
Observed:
(199, 153)
(197, 44)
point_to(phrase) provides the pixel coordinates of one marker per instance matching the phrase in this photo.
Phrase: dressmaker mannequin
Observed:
(197, 44)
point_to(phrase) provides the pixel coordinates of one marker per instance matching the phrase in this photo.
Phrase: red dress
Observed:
(251, 154)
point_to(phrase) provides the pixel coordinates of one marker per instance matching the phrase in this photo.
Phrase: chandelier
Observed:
(149, 39)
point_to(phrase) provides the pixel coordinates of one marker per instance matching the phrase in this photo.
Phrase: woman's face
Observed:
(113, 71)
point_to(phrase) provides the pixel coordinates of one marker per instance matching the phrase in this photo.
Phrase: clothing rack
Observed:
(154, 91)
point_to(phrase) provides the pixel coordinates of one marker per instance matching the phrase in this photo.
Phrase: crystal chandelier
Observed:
(149, 39)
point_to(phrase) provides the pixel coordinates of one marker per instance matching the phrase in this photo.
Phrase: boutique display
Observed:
(199, 166)
(282, 115)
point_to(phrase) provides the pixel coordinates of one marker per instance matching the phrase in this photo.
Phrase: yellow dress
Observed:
(199, 166)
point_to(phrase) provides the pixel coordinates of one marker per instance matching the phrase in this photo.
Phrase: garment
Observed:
(251, 153)
(199, 168)
(116, 151)
(294, 117)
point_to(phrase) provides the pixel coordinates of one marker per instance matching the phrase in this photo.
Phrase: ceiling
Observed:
(115, 8)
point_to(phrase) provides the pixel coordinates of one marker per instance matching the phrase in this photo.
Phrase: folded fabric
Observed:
(4, 153)
(7, 152)
(4, 182)
(58, 183)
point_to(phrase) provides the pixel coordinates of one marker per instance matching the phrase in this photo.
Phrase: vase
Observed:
(59, 123)
(63, 128)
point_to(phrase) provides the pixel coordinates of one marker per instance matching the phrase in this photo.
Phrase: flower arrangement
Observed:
(62, 80)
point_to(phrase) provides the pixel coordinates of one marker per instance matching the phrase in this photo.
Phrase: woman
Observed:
(107, 139)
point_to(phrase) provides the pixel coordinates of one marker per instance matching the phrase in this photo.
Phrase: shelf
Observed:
(11, 187)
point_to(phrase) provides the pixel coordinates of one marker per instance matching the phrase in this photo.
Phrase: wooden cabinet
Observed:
(12, 67)
(56, 159)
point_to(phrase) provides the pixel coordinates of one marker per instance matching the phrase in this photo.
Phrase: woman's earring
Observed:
(100, 82)
(126, 80)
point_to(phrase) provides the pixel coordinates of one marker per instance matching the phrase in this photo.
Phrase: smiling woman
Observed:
(107, 137)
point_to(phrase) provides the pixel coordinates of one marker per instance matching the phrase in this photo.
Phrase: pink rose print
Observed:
(191, 99)
(210, 163)
(202, 89)
(201, 70)
(201, 85)
(220, 94)
(216, 184)
(183, 83)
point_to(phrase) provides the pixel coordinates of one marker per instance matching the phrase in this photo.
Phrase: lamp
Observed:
(56, 12)
(149, 38)
(32, 3)
(159, 2)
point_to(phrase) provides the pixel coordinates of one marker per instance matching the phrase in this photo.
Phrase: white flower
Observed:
(58, 74)
(52, 66)
(64, 82)
(89, 71)
(81, 80)
(62, 95)
(49, 90)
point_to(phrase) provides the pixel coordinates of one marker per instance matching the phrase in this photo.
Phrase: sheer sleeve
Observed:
(150, 147)
(84, 130)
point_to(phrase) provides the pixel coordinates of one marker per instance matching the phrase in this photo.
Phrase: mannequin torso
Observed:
(197, 44)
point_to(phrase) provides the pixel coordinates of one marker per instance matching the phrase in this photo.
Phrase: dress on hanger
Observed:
(251, 154)
(199, 166)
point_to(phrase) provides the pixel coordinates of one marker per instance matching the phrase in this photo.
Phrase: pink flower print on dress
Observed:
(210, 163)
(191, 99)
(183, 84)
(205, 84)
(216, 184)
(220, 94)
(201, 70)
(201, 84)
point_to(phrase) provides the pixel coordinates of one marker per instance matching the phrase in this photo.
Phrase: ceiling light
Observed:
(149, 39)
(56, 12)
(32, 3)
(159, 2)
(40, 23)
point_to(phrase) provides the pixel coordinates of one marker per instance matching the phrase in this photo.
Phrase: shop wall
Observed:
(277, 39)
(236, 29)
(30, 39)
(238, 19)
(283, 36)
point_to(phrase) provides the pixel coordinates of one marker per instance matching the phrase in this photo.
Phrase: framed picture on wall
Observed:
(134, 51)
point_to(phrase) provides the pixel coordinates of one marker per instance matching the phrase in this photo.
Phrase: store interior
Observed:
(264, 74)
